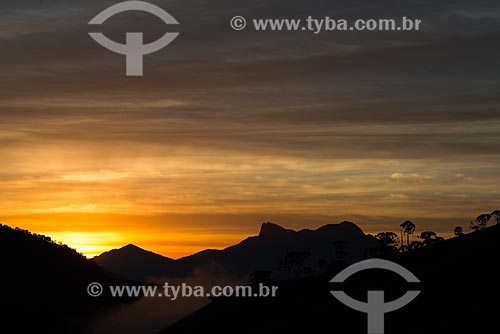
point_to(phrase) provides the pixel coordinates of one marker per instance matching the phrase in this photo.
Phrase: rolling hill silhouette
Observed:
(43, 285)
(460, 289)
(261, 252)
(136, 263)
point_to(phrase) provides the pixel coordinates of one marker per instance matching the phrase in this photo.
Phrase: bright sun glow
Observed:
(88, 243)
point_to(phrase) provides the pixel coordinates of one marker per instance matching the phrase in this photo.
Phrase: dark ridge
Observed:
(262, 252)
(43, 285)
(271, 230)
(459, 283)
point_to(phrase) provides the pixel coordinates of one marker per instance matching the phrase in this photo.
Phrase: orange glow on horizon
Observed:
(173, 236)
(94, 234)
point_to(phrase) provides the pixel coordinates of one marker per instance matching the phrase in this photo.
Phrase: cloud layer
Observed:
(283, 124)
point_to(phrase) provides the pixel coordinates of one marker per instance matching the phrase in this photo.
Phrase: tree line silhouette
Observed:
(481, 221)
(41, 237)
(390, 244)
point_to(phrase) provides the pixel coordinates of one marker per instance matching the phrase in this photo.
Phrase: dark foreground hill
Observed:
(43, 285)
(460, 291)
(261, 252)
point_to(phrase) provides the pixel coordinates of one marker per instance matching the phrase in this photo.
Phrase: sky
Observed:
(228, 129)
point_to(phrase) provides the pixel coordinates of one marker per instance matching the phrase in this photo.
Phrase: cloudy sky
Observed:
(231, 128)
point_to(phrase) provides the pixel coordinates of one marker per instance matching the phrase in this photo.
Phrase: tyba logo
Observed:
(134, 48)
(375, 307)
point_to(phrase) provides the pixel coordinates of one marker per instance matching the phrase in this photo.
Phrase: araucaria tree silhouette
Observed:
(496, 214)
(458, 231)
(415, 245)
(389, 241)
(293, 263)
(482, 220)
(407, 228)
(339, 247)
(473, 226)
(430, 238)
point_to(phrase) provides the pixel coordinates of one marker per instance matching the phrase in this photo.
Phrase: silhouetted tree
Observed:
(389, 241)
(308, 271)
(459, 231)
(482, 220)
(496, 214)
(260, 276)
(330, 268)
(427, 235)
(285, 265)
(474, 226)
(322, 265)
(430, 237)
(407, 227)
(293, 263)
(371, 252)
(339, 247)
(415, 245)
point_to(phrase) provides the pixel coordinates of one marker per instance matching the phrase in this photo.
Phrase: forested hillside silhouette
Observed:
(459, 288)
(43, 285)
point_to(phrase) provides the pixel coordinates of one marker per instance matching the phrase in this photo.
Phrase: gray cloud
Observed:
(427, 100)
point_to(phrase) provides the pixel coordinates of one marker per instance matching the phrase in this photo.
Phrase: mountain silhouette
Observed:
(43, 285)
(136, 263)
(459, 290)
(262, 252)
